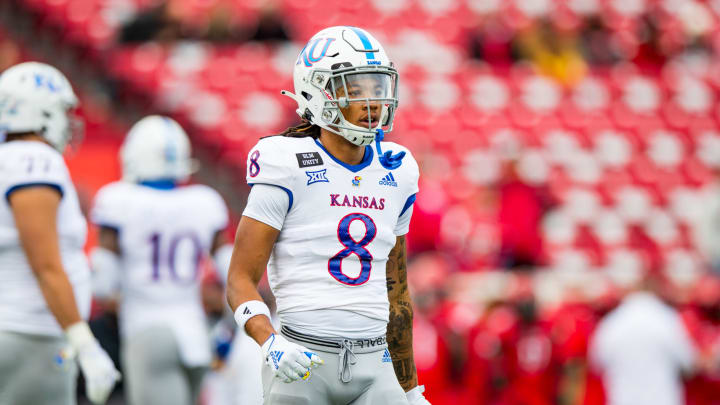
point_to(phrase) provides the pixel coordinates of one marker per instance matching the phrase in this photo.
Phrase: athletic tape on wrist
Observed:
(248, 309)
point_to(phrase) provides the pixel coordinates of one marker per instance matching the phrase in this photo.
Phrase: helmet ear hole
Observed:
(307, 115)
(307, 95)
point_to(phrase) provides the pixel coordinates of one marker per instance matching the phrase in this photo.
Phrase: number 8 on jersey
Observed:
(353, 247)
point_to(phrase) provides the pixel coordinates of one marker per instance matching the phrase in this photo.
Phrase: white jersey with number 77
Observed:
(23, 308)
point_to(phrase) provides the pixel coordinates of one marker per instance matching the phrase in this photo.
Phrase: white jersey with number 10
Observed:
(164, 235)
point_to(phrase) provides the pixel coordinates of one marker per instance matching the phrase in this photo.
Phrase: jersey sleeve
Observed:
(268, 205)
(109, 209)
(34, 165)
(216, 211)
(411, 190)
(267, 164)
(403, 223)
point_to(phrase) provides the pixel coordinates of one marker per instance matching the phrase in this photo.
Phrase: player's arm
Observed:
(105, 261)
(35, 214)
(221, 252)
(109, 239)
(219, 240)
(269, 202)
(108, 213)
(399, 330)
(213, 294)
(254, 241)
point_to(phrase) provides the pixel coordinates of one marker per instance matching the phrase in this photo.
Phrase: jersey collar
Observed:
(367, 158)
(163, 184)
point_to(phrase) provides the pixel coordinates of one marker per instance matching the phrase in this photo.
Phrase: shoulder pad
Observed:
(210, 205)
(110, 207)
(271, 161)
(31, 162)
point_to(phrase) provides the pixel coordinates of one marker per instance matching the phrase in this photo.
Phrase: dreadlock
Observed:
(305, 128)
(18, 136)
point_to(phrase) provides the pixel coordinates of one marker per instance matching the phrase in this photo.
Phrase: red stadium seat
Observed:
(620, 145)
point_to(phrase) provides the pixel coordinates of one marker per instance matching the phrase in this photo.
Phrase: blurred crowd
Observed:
(525, 336)
(569, 156)
(566, 39)
(512, 326)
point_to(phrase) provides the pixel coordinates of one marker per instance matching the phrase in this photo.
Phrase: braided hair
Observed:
(305, 128)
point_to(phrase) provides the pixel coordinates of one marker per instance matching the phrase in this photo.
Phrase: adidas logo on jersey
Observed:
(246, 312)
(386, 357)
(388, 180)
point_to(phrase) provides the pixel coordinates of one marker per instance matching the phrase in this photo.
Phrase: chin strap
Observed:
(387, 159)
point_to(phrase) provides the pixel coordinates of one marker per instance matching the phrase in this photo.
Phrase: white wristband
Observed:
(248, 309)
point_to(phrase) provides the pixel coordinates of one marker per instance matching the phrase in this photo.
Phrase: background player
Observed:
(331, 218)
(154, 234)
(45, 278)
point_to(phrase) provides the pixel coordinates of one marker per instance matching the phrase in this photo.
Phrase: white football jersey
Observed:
(22, 305)
(341, 224)
(164, 235)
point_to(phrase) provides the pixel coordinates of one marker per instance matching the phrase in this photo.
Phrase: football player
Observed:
(44, 275)
(153, 235)
(328, 211)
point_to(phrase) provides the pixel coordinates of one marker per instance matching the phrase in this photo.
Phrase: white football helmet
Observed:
(35, 97)
(156, 148)
(333, 59)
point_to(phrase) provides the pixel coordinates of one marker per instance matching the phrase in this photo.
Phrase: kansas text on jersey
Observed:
(342, 221)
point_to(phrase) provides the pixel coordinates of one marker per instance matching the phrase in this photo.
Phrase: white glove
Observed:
(289, 361)
(415, 396)
(97, 367)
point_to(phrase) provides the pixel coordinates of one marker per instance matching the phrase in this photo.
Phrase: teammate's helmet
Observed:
(156, 148)
(332, 59)
(35, 97)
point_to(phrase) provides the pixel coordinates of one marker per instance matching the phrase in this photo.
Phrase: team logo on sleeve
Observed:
(356, 181)
(309, 159)
(388, 180)
(317, 177)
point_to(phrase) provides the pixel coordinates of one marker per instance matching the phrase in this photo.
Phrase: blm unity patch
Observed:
(309, 159)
